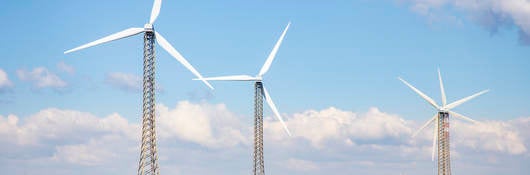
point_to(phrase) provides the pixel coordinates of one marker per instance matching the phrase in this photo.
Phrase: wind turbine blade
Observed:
(123, 34)
(230, 78)
(427, 98)
(173, 52)
(269, 60)
(459, 102)
(274, 109)
(462, 117)
(425, 125)
(435, 137)
(442, 89)
(155, 11)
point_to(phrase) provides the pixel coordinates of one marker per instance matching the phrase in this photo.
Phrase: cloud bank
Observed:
(202, 138)
(491, 14)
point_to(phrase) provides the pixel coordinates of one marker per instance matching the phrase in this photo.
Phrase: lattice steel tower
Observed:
(260, 93)
(444, 151)
(148, 164)
(441, 124)
(259, 161)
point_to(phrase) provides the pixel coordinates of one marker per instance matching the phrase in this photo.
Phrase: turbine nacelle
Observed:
(148, 27)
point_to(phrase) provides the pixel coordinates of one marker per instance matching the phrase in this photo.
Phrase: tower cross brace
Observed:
(259, 164)
(148, 164)
(444, 151)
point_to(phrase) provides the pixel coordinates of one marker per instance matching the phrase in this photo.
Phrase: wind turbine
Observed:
(148, 163)
(259, 93)
(441, 124)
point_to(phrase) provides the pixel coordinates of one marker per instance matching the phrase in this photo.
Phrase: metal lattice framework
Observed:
(444, 150)
(441, 123)
(259, 164)
(148, 164)
(260, 94)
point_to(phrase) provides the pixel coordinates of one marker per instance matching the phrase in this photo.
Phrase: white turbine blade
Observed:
(230, 78)
(274, 109)
(269, 60)
(119, 35)
(173, 52)
(442, 89)
(459, 102)
(155, 11)
(462, 117)
(425, 125)
(435, 137)
(427, 98)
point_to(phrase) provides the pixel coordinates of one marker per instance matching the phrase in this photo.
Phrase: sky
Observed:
(334, 80)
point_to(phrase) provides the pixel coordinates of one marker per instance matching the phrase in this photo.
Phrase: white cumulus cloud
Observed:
(41, 77)
(82, 138)
(62, 66)
(5, 83)
(496, 136)
(331, 127)
(301, 165)
(56, 124)
(124, 81)
(333, 124)
(193, 135)
(489, 136)
(205, 124)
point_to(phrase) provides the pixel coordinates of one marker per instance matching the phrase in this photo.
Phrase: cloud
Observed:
(65, 68)
(334, 128)
(95, 152)
(128, 82)
(5, 83)
(194, 135)
(57, 141)
(208, 125)
(301, 165)
(81, 138)
(491, 14)
(524, 38)
(124, 81)
(41, 77)
(495, 136)
(488, 136)
(55, 124)
(334, 125)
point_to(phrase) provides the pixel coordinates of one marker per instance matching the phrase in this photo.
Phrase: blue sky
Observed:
(342, 54)
(353, 51)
